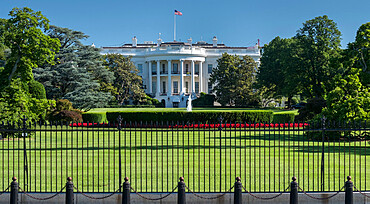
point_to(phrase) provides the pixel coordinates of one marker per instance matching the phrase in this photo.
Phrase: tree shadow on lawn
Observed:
(313, 148)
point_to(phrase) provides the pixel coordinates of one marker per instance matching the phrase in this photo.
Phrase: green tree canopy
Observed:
(318, 43)
(233, 78)
(360, 52)
(127, 81)
(78, 74)
(279, 72)
(23, 34)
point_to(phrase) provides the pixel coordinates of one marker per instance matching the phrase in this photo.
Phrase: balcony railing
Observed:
(175, 72)
(164, 72)
(154, 73)
(163, 94)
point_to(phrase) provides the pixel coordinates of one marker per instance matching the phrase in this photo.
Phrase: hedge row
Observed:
(94, 117)
(254, 116)
(283, 118)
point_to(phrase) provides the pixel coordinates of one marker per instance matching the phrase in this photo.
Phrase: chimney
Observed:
(190, 41)
(214, 40)
(134, 42)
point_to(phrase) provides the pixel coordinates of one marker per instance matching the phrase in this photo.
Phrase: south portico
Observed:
(172, 80)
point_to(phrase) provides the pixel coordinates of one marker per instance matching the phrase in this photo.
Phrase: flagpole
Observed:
(174, 28)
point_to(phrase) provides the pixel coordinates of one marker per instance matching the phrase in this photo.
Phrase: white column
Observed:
(181, 76)
(169, 91)
(192, 77)
(200, 76)
(150, 77)
(158, 78)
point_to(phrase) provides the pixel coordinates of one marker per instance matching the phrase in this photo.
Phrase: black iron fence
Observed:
(154, 156)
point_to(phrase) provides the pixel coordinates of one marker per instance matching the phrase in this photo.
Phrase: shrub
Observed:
(313, 107)
(64, 111)
(94, 117)
(260, 116)
(36, 89)
(205, 100)
(283, 118)
(66, 116)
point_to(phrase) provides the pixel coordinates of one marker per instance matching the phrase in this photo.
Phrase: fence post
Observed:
(126, 192)
(181, 195)
(69, 191)
(294, 191)
(349, 191)
(14, 188)
(238, 191)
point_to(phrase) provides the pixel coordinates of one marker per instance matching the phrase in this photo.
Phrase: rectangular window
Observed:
(175, 87)
(154, 70)
(186, 68)
(154, 87)
(196, 69)
(196, 87)
(164, 87)
(210, 66)
(175, 69)
(186, 87)
(140, 68)
(163, 68)
(209, 87)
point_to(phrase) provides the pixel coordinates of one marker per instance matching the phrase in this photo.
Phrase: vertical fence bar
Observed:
(119, 151)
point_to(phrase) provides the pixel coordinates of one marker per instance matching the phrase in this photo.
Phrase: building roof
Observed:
(201, 44)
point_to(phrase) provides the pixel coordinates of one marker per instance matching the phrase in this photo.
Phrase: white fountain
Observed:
(189, 107)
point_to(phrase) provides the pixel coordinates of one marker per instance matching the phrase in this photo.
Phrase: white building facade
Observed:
(173, 71)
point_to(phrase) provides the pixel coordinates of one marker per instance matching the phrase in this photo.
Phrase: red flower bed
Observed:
(227, 125)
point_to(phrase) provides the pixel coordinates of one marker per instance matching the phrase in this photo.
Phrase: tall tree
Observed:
(78, 75)
(233, 78)
(360, 52)
(23, 34)
(318, 41)
(279, 72)
(127, 81)
(29, 47)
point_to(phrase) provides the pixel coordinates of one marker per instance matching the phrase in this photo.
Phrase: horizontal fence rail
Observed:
(155, 155)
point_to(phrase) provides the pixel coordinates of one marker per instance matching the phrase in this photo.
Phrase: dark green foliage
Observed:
(283, 118)
(318, 44)
(127, 82)
(313, 107)
(205, 100)
(233, 79)
(66, 116)
(78, 75)
(259, 116)
(94, 117)
(64, 111)
(36, 89)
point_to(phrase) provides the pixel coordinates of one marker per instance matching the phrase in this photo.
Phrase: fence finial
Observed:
(126, 178)
(14, 178)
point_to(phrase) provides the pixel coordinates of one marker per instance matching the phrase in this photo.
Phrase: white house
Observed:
(171, 71)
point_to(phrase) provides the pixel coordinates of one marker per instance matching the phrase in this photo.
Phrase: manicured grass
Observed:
(154, 159)
(103, 110)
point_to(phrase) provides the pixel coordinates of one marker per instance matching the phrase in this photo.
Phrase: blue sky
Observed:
(234, 22)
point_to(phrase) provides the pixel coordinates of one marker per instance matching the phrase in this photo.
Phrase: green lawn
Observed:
(154, 160)
(103, 110)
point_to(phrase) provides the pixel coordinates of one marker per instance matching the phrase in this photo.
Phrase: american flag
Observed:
(178, 13)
